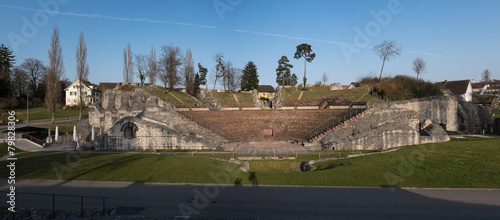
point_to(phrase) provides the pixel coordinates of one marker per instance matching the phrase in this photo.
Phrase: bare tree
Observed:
(419, 66)
(171, 59)
(19, 81)
(34, 69)
(189, 73)
(141, 64)
(82, 70)
(128, 65)
(152, 66)
(324, 78)
(219, 67)
(386, 50)
(55, 72)
(232, 76)
(486, 75)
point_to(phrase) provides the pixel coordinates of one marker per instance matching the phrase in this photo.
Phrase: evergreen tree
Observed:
(196, 82)
(7, 61)
(202, 78)
(305, 51)
(283, 75)
(250, 78)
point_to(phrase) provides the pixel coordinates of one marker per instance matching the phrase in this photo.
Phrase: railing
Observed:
(62, 195)
(33, 139)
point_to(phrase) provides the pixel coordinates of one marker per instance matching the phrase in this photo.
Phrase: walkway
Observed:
(272, 148)
(262, 202)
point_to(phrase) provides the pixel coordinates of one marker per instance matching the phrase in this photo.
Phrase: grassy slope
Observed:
(184, 97)
(244, 97)
(42, 113)
(466, 163)
(224, 97)
(317, 92)
(167, 97)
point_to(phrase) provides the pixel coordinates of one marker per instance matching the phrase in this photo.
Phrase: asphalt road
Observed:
(228, 201)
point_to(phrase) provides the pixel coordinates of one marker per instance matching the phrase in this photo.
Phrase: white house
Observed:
(90, 93)
(461, 87)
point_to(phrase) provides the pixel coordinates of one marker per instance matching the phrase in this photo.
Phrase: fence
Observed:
(53, 197)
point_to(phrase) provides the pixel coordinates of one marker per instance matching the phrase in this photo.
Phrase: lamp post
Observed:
(27, 109)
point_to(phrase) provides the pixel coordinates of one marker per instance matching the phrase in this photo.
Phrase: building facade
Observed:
(90, 93)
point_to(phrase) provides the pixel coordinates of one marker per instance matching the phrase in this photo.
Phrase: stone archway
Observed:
(129, 130)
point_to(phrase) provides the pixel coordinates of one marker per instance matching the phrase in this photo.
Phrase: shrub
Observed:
(401, 87)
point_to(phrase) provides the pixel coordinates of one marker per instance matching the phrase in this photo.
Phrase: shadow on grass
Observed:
(112, 164)
(331, 165)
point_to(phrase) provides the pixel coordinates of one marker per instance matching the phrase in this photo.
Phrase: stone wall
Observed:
(381, 128)
(451, 111)
(158, 126)
(208, 100)
(278, 98)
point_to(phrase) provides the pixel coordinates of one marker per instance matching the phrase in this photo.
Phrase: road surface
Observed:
(236, 201)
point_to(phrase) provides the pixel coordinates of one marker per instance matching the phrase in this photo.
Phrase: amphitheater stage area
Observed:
(275, 147)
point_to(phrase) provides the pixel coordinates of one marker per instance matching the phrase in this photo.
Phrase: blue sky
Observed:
(457, 39)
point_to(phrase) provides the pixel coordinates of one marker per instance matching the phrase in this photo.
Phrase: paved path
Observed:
(227, 201)
(271, 148)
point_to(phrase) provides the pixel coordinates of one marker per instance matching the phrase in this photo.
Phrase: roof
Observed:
(265, 88)
(478, 85)
(345, 86)
(85, 82)
(105, 86)
(457, 87)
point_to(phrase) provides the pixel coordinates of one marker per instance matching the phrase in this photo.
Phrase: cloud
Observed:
(425, 53)
(169, 22)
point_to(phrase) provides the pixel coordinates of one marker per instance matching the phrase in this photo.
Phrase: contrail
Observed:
(425, 53)
(169, 22)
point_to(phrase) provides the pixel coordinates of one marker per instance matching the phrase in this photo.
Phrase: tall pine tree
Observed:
(250, 78)
(6, 64)
(283, 76)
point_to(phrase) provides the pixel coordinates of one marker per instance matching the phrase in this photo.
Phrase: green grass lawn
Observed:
(319, 91)
(244, 97)
(4, 150)
(469, 163)
(184, 97)
(160, 93)
(122, 167)
(224, 97)
(43, 113)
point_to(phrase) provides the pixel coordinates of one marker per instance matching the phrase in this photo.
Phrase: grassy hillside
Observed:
(314, 92)
(401, 87)
(471, 163)
(43, 113)
(168, 97)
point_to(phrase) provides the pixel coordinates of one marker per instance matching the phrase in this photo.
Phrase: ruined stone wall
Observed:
(117, 104)
(440, 109)
(208, 100)
(451, 111)
(381, 128)
(159, 127)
